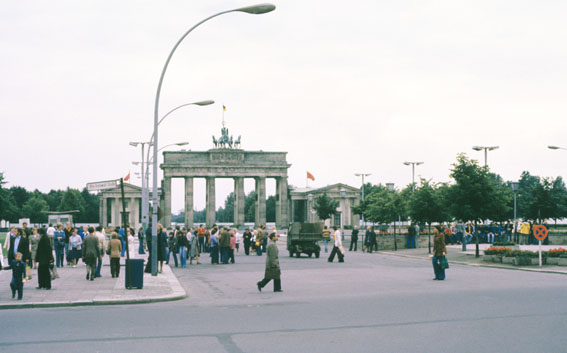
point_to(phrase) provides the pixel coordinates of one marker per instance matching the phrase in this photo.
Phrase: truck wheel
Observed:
(310, 254)
(297, 254)
(317, 255)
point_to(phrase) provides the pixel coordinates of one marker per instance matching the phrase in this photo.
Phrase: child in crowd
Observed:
(18, 275)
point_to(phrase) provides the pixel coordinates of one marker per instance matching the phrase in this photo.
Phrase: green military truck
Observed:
(304, 238)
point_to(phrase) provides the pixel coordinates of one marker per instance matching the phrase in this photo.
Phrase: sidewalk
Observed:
(455, 255)
(72, 289)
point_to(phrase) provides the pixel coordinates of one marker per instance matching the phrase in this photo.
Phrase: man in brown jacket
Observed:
(272, 266)
(224, 244)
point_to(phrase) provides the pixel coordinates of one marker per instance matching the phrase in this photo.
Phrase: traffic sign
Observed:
(540, 232)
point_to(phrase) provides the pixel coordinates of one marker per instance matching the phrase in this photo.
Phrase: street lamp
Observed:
(486, 149)
(343, 208)
(515, 187)
(144, 185)
(310, 208)
(413, 164)
(556, 148)
(362, 175)
(256, 10)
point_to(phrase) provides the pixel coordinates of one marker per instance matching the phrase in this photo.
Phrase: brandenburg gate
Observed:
(226, 161)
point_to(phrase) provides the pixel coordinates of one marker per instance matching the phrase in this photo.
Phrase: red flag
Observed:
(127, 177)
(310, 176)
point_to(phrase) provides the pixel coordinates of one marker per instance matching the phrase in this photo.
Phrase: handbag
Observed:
(444, 263)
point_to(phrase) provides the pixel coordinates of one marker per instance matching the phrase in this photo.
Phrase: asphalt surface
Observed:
(370, 303)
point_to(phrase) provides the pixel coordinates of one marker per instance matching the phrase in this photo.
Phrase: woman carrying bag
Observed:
(439, 251)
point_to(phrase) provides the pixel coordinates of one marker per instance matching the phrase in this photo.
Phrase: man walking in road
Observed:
(338, 246)
(91, 253)
(272, 266)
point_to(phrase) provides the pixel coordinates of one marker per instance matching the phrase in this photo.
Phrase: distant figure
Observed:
(439, 251)
(354, 239)
(326, 237)
(272, 271)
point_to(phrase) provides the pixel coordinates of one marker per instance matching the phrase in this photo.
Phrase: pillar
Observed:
(189, 202)
(102, 211)
(211, 208)
(282, 204)
(260, 201)
(117, 220)
(167, 202)
(239, 199)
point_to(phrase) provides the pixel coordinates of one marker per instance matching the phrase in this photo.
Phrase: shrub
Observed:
(559, 252)
(497, 251)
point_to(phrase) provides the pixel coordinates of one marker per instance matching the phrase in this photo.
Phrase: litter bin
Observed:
(134, 273)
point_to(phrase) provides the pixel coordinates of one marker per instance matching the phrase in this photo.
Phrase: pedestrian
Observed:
(259, 241)
(238, 237)
(224, 244)
(246, 239)
(68, 232)
(34, 241)
(44, 258)
(232, 246)
(102, 245)
(122, 234)
(19, 244)
(201, 232)
(131, 246)
(272, 271)
(410, 242)
(113, 250)
(354, 239)
(439, 251)
(91, 252)
(326, 237)
(161, 246)
(18, 267)
(214, 245)
(148, 268)
(372, 244)
(338, 246)
(75, 243)
(194, 248)
(171, 248)
(141, 241)
(182, 245)
(59, 244)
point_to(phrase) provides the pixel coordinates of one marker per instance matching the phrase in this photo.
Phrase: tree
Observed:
(427, 205)
(226, 214)
(8, 211)
(91, 201)
(250, 207)
(72, 200)
(36, 209)
(271, 209)
(325, 207)
(476, 194)
(559, 197)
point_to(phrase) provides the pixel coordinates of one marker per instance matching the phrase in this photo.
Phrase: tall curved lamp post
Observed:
(255, 10)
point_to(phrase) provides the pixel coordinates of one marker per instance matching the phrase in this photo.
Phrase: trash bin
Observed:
(134, 273)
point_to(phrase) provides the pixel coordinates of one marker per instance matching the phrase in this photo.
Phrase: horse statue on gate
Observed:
(215, 142)
(237, 142)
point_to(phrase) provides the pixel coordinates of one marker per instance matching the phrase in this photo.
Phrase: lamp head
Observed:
(134, 144)
(553, 147)
(418, 163)
(407, 163)
(478, 148)
(206, 102)
(182, 143)
(492, 148)
(515, 186)
(257, 9)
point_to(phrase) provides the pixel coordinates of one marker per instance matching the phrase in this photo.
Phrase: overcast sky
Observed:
(342, 86)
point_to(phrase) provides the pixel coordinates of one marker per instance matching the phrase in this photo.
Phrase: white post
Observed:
(540, 253)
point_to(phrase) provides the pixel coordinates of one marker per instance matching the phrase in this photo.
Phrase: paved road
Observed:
(371, 303)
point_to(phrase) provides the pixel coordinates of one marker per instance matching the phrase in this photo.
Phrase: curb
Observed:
(178, 293)
(479, 265)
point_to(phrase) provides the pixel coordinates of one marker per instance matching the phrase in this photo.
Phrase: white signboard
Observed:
(102, 185)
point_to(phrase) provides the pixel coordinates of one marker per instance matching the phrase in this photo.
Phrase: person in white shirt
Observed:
(338, 246)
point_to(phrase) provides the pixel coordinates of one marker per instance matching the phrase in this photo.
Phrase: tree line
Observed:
(474, 194)
(16, 202)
